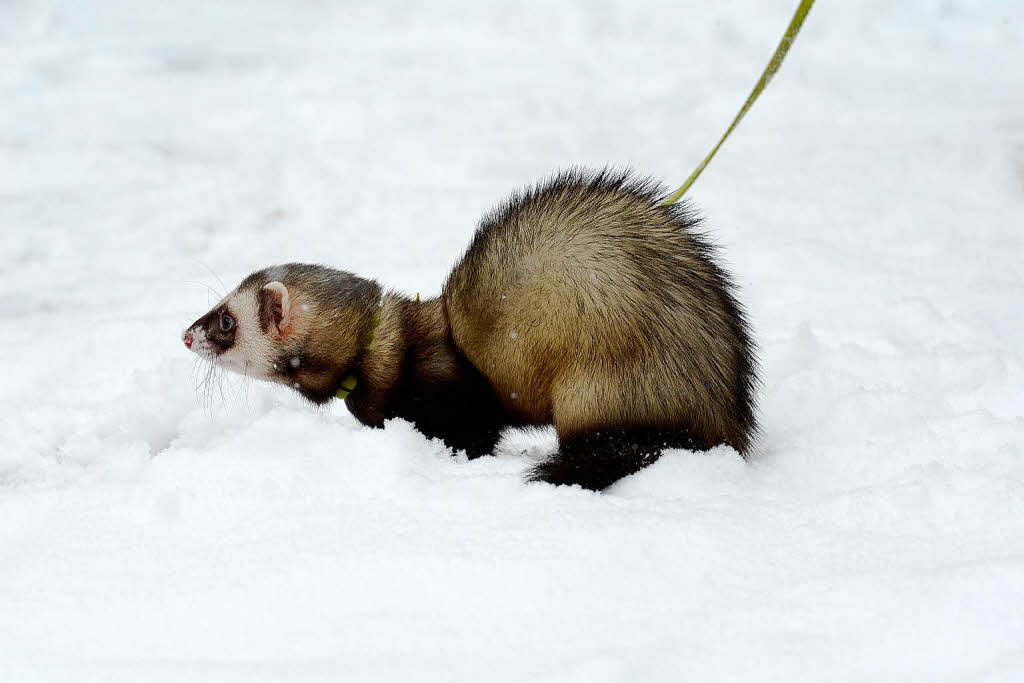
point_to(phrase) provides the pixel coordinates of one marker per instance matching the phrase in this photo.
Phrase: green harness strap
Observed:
(347, 386)
(769, 71)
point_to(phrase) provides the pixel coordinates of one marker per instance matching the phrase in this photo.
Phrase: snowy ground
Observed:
(872, 207)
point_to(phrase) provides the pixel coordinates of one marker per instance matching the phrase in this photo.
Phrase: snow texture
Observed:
(871, 207)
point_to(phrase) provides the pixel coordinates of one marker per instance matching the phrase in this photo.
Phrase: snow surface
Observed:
(871, 206)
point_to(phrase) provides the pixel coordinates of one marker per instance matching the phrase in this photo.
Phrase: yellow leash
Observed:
(766, 75)
(348, 385)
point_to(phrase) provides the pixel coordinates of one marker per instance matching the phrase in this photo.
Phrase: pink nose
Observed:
(188, 340)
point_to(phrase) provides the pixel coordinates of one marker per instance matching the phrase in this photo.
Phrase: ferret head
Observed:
(296, 324)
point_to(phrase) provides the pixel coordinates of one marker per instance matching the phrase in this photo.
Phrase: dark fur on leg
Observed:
(597, 460)
(475, 443)
(465, 421)
(465, 415)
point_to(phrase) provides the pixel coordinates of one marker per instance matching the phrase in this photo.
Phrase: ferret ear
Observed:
(275, 310)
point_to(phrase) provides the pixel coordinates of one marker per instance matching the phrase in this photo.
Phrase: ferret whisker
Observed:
(211, 377)
(220, 383)
(215, 276)
(199, 379)
(246, 385)
(198, 366)
(205, 366)
(208, 288)
(207, 388)
(212, 386)
(204, 386)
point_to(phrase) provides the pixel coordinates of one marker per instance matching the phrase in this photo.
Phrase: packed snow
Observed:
(160, 523)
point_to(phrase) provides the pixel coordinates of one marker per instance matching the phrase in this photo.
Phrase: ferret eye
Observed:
(226, 322)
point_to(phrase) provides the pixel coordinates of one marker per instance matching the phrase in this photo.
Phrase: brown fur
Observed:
(598, 307)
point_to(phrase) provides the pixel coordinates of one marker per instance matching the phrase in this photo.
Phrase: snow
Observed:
(157, 527)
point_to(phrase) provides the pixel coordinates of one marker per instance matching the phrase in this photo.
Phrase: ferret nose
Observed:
(188, 340)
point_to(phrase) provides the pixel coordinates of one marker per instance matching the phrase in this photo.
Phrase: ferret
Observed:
(582, 302)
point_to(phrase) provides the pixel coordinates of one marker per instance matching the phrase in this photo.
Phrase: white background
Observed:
(871, 207)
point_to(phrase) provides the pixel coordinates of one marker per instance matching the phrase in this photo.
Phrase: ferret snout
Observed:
(188, 338)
